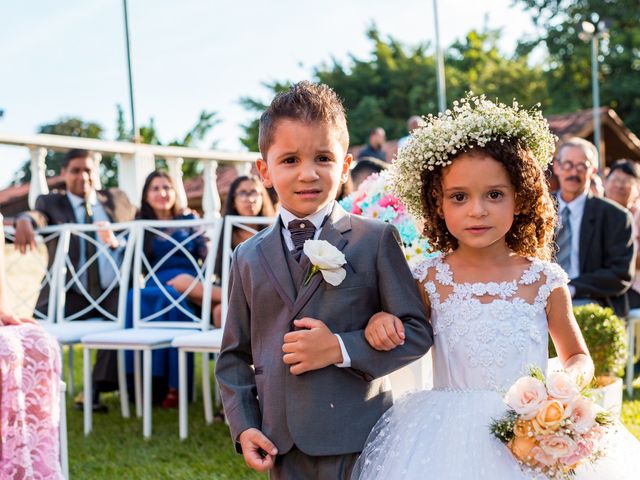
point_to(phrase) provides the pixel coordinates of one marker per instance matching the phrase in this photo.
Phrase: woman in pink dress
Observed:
(29, 395)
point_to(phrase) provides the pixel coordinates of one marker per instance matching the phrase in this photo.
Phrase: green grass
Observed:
(116, 450)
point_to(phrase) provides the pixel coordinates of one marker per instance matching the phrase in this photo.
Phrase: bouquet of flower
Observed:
(374, 199)
(551, 426)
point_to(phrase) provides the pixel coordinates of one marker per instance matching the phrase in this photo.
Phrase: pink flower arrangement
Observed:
(551, 426)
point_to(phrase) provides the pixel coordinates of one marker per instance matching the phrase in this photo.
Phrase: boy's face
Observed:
(306, 163)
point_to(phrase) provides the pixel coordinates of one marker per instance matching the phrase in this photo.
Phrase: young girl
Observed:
(475, 176)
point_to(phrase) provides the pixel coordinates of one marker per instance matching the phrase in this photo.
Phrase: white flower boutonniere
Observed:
(327, 260)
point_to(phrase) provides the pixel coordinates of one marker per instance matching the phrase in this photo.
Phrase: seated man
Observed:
(80, 203)
(594, 240)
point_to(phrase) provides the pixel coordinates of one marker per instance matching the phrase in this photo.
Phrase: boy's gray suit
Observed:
(329, 411)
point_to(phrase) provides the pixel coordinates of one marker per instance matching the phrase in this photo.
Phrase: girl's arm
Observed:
(567, 338)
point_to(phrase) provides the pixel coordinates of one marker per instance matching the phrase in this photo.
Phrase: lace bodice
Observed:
(487, 334)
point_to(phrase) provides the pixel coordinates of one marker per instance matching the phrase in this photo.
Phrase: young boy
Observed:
(306, 407)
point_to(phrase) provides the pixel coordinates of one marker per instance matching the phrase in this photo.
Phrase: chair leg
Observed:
(70, 382)
(146, 393)
(62, 428)
(206, 389)
(122, 386)
(137, 382)
(88, 394)
(182, 391)
(631, 323)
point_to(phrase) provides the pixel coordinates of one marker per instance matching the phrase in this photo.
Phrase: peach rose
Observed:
(583, 414)
(550, 415)
(521, 447)
(561, 386)
(557, 446)
(526, 396)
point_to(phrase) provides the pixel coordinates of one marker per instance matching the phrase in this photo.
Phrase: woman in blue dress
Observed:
(159, 203)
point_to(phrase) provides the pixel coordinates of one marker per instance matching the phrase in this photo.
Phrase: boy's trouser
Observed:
(296, 465)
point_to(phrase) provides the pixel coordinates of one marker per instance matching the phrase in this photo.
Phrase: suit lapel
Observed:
(337, 223)
(586, 231)
(272, 258)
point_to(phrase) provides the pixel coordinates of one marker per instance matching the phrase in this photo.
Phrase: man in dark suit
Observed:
(80, 203)
(594, 239)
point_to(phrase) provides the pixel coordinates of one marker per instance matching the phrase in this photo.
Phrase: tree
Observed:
(569, 58)
(398, 81)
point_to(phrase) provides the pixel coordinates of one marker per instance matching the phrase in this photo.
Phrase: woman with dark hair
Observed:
(247, 197)
(159, 203)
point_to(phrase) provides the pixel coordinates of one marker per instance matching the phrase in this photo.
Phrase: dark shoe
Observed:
(171, 400)
(97, 407)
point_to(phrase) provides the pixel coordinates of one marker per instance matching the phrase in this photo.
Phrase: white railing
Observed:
(135, 162)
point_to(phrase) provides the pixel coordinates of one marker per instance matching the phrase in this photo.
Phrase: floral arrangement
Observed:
(473, 121)
(551, 426)
(327, 260)
(374, 199)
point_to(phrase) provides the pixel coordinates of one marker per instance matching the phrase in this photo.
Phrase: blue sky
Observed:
(67, 58)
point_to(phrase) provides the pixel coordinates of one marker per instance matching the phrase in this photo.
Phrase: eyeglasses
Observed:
(252, 195)
(566, 165)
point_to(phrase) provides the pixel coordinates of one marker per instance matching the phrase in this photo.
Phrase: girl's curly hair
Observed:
(533, 227)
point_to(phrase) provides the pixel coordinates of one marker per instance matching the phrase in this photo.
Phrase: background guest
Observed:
(364, 167)
(159, 203)
(80, 203)
(377, 137)
(623, 186)
(594, 240)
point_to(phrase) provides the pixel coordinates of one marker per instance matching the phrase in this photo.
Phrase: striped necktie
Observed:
(563, 240)
(301, 231)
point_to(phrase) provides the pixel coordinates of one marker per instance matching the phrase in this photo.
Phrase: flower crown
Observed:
(473, 121)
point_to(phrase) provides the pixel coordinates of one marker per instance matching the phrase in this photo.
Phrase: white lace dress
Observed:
(486, 336)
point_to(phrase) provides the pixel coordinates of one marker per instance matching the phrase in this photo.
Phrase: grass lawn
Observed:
(116, 450)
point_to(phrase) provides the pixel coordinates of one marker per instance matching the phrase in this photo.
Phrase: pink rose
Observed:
(541, 457)
(526, 396)
(582, 414)
(562, 387)
(557, 446)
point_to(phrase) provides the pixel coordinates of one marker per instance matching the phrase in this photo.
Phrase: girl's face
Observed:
(248, 199)
(478, 201)
(161, 195)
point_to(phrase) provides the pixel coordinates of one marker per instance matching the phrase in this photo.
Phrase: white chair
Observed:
(633, 319)
(115, 265)
(149, 334)
(210, 341)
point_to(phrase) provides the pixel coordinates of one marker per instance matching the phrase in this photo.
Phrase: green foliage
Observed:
(569, 58)
(605, 336)
(399, 80)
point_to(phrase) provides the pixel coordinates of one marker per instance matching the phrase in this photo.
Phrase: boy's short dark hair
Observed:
(73, 154)
(305, 102)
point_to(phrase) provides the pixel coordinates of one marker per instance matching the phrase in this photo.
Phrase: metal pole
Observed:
(442, 95)
(596, 99)
(134, 130)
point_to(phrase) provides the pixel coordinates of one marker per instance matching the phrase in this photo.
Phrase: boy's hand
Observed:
(384, 331)
(312, 348)
(258, 451)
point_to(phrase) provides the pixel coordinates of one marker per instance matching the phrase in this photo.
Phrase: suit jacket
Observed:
(606, 253)
(332, 410)
(55, 209)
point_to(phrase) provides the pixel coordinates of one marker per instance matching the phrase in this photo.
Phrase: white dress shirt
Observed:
(317, 219)
(107, 273)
